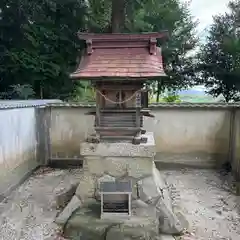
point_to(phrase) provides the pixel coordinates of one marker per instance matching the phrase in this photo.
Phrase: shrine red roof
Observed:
(120, 56)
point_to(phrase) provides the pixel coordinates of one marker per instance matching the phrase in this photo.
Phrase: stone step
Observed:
(125, 110)
(117, 128)
(119, 137)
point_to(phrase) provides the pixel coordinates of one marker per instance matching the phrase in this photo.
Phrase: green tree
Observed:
(219, 66)
(174, 16)
(39, 45)
(172, 98)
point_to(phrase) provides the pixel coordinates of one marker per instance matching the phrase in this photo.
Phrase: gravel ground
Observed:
(30, 210)
(207, 202)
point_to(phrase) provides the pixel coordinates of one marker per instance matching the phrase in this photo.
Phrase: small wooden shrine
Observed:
(118, 65)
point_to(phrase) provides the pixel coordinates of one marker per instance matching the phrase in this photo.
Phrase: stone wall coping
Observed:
(12, 104)
(155, 105)
(59, 104)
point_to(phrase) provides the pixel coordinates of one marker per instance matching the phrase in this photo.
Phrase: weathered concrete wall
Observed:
(235, 144)
(196, 136)
(191, 136)
(23, 127)
(18, 146)
(199, 136)
(68, 128)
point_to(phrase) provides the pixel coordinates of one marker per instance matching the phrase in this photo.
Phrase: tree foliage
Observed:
(175, 17)
(38, 43)
(39, 46)
(220, 57)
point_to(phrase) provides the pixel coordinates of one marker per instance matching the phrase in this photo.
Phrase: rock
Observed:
(93, 164)
(116, 166)
(65, 195)
(142, 228)
(155, 192)
(74, 204)
(139, 204)
(133, 185)
(148, 190)
(142, 209)
(86, 223)
(169, 223)
(166, 237)
(86, 187)
(122, 149)
(112, 233)
(162, 185)
(140, 167)
(104, 178)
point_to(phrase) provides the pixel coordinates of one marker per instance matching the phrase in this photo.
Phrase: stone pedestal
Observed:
(151, 198)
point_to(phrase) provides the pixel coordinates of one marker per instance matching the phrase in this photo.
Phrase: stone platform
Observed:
(151, 196)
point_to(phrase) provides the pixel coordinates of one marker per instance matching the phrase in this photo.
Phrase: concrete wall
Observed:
(191, 136)
(235, 144)
(69, 127)
(197, 136)
(18, 146)
(23, 147)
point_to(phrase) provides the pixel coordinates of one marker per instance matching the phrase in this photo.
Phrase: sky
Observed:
(204, 10)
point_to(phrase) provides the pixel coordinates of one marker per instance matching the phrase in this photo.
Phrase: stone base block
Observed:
(65, 195)
(136, 167)
(120, 149)
(86, 224)
(72, 206)
(151, 203)
(86, 187)
(152, 208)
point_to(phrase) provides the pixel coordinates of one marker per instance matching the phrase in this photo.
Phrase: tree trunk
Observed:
(158, 90)
(118, 15)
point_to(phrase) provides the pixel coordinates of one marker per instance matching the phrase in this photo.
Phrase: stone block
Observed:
(143, 228)
(104, 178)
(133, 185)
(123, 149)
(86, 187)
(148, 190)
(64, 195)
(73, 205)
(140, 167)
(169, 223)
(163, 186)
(142, 209)
(94, 165)
(116, 166)
(86, 223)
(166, 237)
